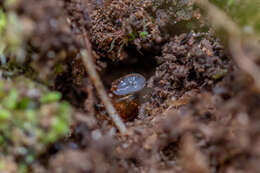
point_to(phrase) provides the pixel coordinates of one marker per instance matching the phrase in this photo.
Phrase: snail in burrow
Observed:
(125, 95)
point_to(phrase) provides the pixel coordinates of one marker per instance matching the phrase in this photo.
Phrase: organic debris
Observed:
(186, 85)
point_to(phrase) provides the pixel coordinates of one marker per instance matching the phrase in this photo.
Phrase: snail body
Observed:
(125, 95)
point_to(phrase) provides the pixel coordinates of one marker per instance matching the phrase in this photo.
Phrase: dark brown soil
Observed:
(197, 114)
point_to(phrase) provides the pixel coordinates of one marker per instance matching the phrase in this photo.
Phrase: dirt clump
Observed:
(117, 24)
(50, 41)
(187, 63)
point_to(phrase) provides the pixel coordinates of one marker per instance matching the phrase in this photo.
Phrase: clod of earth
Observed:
(125, 95)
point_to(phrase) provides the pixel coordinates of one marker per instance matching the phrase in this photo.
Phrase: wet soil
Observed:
(197, 113)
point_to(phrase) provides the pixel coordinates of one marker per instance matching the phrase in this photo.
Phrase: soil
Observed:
(198, 112)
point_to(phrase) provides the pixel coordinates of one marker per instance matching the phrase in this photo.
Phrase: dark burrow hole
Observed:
(143, 63)
(170, 151)
(71, 92)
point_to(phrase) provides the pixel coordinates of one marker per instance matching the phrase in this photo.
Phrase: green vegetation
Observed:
(131, 36)
(143, 34)
(31, 118)
(11, 34)
(245, 13)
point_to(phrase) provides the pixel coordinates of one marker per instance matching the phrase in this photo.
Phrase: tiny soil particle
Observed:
(125, 98)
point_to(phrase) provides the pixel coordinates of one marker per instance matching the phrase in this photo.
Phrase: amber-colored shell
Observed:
(127, 108)
(125, 98)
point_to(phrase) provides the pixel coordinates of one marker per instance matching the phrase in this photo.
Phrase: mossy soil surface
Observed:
(198, 112)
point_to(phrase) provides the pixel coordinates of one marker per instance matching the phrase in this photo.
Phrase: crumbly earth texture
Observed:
(198, 112)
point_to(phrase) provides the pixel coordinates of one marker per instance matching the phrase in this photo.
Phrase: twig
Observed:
(90, 67)
(242, 59)
(244, 62)
(219, 18)
(89, 102)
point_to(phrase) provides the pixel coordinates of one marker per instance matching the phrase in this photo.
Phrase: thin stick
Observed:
(89, 102)
(90, 67)
(245, 62)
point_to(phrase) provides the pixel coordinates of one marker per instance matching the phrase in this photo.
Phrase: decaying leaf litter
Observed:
(197, 113)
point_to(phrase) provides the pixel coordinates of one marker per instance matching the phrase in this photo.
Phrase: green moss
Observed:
(22, 168)
(29, 159)
(31, 115)
(4, 114)
(2, 165)
(219, 74)
(131, 36)
(11, 34)
(31, 118)
(59, 68)
(51, 97)
(2, 20)
(10, 101)
(143, 34)
(59, 125)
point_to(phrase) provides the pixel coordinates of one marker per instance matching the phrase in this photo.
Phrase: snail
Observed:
(125, 95)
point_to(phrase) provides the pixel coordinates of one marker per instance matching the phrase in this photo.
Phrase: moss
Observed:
(11, 34)
(2, 20)
(4, 115)
(219, 75)
(24, 46)
(22, 168)
(50, 97)
(131, 36)
(31, 118)
(59, 68)
(143, 34)
(10, 100)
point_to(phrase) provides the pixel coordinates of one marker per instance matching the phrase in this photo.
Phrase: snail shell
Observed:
(128, 84)
(125, 97)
